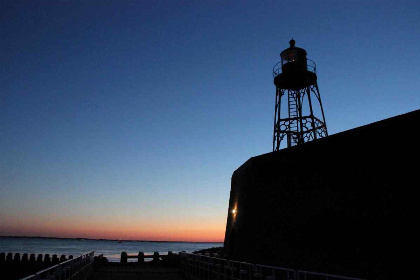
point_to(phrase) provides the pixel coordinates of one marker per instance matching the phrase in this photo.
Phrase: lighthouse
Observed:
(299, 115)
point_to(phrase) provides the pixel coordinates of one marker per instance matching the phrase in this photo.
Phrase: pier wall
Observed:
(343, 204)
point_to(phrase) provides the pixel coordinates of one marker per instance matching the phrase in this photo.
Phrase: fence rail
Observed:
(79, 268)
(277, 69)
(199, 267)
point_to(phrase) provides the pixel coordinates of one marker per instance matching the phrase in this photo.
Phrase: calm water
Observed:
(110, 249)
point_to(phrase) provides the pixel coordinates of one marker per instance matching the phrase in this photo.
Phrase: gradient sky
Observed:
(126, 119)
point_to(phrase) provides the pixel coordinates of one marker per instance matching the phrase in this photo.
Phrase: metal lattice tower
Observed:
(296, 83)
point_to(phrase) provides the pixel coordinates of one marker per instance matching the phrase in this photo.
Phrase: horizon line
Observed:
(104, 239)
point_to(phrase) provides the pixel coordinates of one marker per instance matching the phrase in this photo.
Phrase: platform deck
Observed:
(137, 272)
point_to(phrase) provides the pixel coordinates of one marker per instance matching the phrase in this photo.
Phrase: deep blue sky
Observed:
(143, 109)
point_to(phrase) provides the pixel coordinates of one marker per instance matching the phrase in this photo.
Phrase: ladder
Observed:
(293, 117)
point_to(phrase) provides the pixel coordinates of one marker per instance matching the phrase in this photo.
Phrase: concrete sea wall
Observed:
(342, 204)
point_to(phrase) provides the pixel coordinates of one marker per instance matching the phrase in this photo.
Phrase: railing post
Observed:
(200, 267)
(218, 266)
(242, 272)
(227, 272)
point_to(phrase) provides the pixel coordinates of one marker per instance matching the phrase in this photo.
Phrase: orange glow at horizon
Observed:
(190, 231)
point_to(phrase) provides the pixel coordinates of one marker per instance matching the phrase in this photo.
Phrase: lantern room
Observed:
(293, 59)
(295, 70)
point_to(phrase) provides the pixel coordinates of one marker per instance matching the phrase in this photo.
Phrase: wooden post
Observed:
(156, 257)
(124, 257)
(16, 259)
(55, 259)
(141, 257)
(47, 260)
(171, 258)
(63, 258)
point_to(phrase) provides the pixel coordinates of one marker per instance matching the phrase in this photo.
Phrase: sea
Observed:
(111, 249)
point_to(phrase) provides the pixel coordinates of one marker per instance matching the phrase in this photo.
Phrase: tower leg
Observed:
(276, 135)
(308, 92)
(322, 109)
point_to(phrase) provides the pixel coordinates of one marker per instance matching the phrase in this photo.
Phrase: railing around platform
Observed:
(79, 268)
(199, 267)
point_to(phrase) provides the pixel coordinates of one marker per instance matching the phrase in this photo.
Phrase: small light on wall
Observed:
(234, 211)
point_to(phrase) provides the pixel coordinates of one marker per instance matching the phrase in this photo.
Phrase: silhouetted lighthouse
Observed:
(297, 118)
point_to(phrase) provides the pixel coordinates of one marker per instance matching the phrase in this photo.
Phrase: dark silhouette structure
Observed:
(15, 266)
(296, 81)
(350, 214)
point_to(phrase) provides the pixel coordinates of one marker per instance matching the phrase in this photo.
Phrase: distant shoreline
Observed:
(102, 239)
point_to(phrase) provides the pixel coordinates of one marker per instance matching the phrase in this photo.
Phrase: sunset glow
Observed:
(209, 232)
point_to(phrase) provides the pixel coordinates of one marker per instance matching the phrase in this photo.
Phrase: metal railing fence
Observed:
(277, 69)
(79, 268)
(204, 267)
